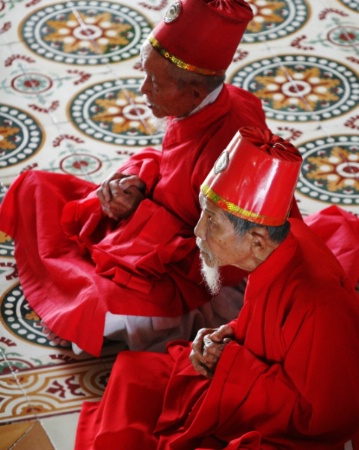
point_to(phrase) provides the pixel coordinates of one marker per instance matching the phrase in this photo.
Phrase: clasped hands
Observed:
(120, 195)
(207, 348)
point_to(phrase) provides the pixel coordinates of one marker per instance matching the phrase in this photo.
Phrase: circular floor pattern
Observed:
(330, 170)
(85, 33)
(300, 88)
(31, 83)
(22, 321)
(275, 20)
(114, 112)
(21, 136)
(346, 38)
(351, 4)
(80, 164)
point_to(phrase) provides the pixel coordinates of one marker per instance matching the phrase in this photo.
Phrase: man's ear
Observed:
(261, 245)
(198, 91)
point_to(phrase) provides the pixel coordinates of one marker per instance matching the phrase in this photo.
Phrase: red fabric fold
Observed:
(339, 229)
(270, 143)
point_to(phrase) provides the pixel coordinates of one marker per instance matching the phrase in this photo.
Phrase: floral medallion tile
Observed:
(114, 111)
(300, 88)
(83, 33)
(22, 135)
(275, 20)
(330, 170)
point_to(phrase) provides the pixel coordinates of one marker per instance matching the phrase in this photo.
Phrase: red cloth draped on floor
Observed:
(75, 265)
(290, 377)
(339, 229)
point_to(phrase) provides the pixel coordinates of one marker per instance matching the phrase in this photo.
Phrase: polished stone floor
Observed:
(69, 103)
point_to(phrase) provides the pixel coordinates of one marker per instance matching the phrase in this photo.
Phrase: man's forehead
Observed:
(145, 48)
(208, 205)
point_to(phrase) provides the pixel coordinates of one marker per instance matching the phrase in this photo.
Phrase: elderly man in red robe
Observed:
(284, 374)
(120, 260)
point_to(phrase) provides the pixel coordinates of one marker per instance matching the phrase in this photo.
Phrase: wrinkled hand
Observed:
(207, 348)
(120, 195)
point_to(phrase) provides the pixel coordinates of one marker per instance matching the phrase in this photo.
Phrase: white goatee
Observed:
(210, 274)
(212, 278)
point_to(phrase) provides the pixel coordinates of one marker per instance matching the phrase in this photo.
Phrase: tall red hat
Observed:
(255, 177)
(202, 35)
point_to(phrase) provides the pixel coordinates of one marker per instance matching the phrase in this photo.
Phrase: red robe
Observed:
(289, 379)
(339, 229)
(75, 264)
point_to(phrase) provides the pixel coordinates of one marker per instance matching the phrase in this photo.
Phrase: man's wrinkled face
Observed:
(160, 89)
(218, 242)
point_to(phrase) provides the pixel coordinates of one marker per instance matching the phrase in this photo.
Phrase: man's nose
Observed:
(145, 88)
(199, 229)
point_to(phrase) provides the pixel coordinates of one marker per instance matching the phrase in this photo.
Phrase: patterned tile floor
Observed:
(69, 103)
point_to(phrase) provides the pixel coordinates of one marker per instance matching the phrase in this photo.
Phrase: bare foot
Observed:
(51, 336)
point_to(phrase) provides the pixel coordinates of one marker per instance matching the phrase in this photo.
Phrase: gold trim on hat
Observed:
(179, 63)
(238, 211)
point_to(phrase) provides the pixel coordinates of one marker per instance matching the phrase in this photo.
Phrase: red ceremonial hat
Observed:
(255, 177)
(202, 35)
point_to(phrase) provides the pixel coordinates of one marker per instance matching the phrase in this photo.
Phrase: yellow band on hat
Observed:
(238, 211)
(179, 63)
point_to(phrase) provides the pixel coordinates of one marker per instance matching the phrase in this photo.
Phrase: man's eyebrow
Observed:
(204, 203)
(212, 212)
(207, 208)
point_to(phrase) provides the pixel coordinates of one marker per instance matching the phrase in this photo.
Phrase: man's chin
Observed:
(159, 122)
(211, 276)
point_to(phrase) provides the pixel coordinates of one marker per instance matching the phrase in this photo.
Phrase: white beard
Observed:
(212, 277)
(159, 123)
(210, 274)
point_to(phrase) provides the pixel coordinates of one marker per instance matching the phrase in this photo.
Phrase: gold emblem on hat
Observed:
(222, 162)
(173, 11)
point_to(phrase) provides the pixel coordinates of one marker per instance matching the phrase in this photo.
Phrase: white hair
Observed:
(211, 273)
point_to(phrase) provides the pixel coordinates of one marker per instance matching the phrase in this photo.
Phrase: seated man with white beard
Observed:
(284, 374)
